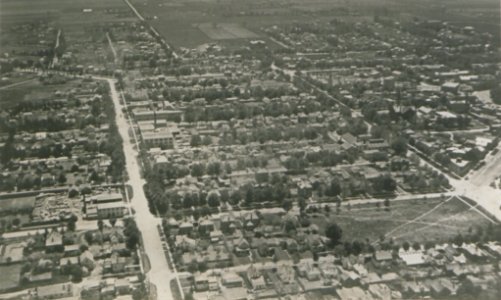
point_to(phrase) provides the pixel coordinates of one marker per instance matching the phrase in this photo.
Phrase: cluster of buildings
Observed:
(250, 254)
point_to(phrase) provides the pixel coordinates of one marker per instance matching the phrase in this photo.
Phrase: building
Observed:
(110, 210)
(159, 138)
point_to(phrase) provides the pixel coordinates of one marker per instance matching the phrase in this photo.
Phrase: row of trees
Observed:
(243, 111)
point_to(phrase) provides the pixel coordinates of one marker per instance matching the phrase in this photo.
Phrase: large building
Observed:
(104, 206)
(160, 138)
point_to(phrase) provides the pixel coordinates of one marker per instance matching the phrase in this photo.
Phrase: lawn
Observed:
(432, 219)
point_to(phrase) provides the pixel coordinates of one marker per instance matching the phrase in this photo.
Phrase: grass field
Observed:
(413, 220)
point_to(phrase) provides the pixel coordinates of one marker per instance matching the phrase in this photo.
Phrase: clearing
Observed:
(412, 220)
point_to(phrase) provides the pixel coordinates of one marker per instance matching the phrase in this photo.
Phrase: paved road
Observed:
(159, 273)
(489, 172)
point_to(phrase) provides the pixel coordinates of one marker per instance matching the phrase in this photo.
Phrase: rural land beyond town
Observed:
(250, 149)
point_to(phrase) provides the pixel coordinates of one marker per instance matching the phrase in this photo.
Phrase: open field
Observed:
(15, 204)
(9, 276)
(177, 20)
(222, 31)
(414, 220)
(33, 90)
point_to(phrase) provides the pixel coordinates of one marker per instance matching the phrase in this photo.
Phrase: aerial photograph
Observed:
(250, 149)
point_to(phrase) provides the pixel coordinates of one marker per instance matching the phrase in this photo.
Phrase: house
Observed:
(68, 261)
(256, 278)
(412, 258)
(72, 250)
(354, 293)
(309, 271)
(242, 248)
(87, 260)
(201, 283)
(206, 226)
(231, 280)
(185, 243)
(122, 286)
(383, 255)
(91, 289)
(380, 291)
(185, 228)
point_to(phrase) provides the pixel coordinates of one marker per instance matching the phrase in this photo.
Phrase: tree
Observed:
(458, 240)
(287, 205)
(72, 223)
(399, 145)
(62, 178)
(406, 246)
(334, 233)
(213, 200)
(100, 225)
(196, 140)
(132, 234)
(16, 222)
(416, 246)
(76, 273)
(302, 204)
(197, 170)
(89, 237)
(334, 188)
(384, 183)
(113, 221)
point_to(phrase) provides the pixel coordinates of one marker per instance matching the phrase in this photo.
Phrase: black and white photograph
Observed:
(250, 149)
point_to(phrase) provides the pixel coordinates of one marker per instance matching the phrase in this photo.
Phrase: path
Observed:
(112, 47)
(16, 84)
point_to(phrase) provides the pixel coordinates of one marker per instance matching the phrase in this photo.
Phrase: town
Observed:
(236, 150)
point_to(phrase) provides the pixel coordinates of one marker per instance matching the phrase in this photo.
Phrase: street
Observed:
(159, 274)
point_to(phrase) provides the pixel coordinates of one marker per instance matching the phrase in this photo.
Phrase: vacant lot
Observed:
(17, 204)
(413, 220)
(223, 31)
(9, 276)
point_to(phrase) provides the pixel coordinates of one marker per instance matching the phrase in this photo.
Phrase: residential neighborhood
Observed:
(250, 150)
